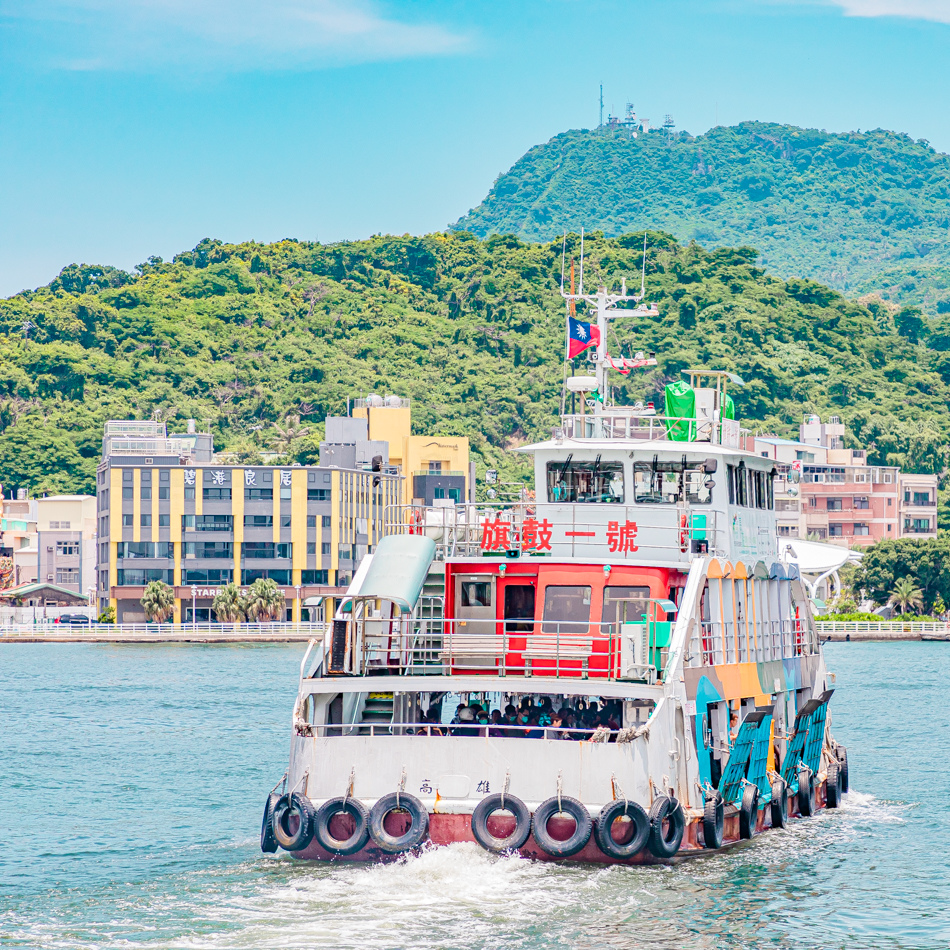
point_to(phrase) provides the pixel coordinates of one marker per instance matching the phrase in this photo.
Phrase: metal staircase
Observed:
(378, 711)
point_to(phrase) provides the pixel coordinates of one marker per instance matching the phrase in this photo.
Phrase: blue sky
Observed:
(137, 127)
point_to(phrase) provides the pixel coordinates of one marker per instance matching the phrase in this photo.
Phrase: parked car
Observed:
(72, 618)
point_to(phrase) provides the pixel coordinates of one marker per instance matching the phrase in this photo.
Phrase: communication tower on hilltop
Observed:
(601, 125)
(669, 125)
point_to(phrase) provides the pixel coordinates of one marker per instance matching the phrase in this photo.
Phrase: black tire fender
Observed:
(779, 803)
(555, 806)
(843, 762)
(284, 810)
(833, 786)
(268, 841)
(714, 821)
(806, 793)
(641, 829)
(494, 803)
(417, 831)
(321, 825)
(666, 808)
(749, 812)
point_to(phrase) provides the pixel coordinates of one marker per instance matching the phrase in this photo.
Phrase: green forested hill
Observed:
(248, 335)
(860, 212)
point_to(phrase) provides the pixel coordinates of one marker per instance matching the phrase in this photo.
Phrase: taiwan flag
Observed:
(580, 336)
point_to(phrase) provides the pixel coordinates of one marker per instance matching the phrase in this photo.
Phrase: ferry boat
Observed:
(617, 667)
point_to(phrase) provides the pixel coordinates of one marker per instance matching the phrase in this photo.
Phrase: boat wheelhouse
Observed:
(617, 667)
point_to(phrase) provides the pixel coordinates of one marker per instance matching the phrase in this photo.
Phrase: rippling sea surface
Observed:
(132, 780)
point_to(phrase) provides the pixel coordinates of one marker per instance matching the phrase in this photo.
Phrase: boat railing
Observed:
(413, 646)
(673, 532)
(202, 630)
(618, 423)
(439, 730)
(721, 643)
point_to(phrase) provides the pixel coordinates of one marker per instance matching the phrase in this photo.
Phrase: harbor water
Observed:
(132, 780)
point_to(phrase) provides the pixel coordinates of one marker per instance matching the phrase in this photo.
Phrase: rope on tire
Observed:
(349, 786)
(504, 788)
(559, 777)
(616, 786)
(401, 787)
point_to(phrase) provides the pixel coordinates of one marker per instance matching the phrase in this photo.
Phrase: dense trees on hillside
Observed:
(861, 212)
(263, 340)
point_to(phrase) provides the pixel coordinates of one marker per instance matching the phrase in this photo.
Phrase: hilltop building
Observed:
(840, 498)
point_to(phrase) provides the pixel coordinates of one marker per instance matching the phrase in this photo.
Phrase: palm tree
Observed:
(229, 605)
(265, 601)
(288, 432)
(906, 595)
(158, 599)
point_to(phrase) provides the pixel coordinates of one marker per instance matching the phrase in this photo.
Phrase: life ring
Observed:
(412, 837)
(749, 812)
(284, 810)
(806, 793)
(843, 762)
(641, 829)
(341, 806)
(268, 841)
(487, 807)
(779, 803)
(664, 844)
(714, 821)
(563, 804)
(415, 521)
(833, 786)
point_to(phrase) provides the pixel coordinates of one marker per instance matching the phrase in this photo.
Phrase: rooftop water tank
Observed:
(394, 402)
(374, 401)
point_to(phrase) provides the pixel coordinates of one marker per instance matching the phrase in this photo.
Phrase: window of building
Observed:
(314, 577)
(189, 493)
(836, 531)
(566, 610)
(862, 503)
(285, 521)
(285, 492)
(68, 548)
(282, 577)
(146, 493)
(787, 531)
(326, 521)
(209, 549)
(127, 476)
(146, 521)
(163, 492)
(211, 575)
(311, 547)
(346, 552)
(258, 521)
(318, 494)
(435, 468)
(259, 494)
(164, 521)
(127, 493)
(813, 502)
(134, 549)
(311, 521)
(67, 575)
(821, 532)
(127, 521)
(861, 530)
(888, 478)
(922, 498)
(267, 549)
(890, 502)
(596, 481)
(163, 475)
(834, 504)
(140, 576)
(917, 525)
(325, 547)
(216, 494)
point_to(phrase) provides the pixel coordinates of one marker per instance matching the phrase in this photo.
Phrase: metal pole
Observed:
(194, 608)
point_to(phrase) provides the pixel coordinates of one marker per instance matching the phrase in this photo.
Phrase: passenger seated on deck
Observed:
(496, 728)
(464, 728)
(535, 732)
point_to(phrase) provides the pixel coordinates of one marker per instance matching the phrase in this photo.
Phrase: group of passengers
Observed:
(529, 720)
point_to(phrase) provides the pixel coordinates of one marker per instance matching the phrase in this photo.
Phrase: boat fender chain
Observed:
(706, 790)
(401, 787)
(505, 787)
(282, 780)
(617, 787)
(303, 778)
(349, 786)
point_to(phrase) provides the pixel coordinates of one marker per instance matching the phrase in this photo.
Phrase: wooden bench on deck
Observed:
(477, 649)
(556, 647)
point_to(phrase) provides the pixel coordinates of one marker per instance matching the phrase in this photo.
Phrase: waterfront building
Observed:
(839, 497)
(169, 510)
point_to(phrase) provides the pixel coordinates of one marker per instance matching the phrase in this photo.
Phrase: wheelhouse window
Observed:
(566, 610)
(663, 483)
(597, 482)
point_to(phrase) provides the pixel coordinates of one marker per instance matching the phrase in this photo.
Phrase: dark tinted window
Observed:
(476, 594)
(596, 481)
(566, 609)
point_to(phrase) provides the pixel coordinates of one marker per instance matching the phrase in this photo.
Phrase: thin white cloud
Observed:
(937, 11)
(231, 34)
